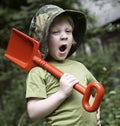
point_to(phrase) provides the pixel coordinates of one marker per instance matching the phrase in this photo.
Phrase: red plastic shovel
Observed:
(24, 51)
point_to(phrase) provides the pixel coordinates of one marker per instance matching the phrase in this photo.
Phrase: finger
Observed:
(73, 82)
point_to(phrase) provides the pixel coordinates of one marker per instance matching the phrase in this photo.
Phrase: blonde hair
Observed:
(63, 16)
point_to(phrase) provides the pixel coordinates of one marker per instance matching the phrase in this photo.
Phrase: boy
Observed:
(60, 33)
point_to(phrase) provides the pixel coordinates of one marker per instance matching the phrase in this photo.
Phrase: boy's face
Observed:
(60, 39)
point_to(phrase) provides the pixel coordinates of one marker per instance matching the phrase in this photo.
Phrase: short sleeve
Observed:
(35, 83)
(89, 75)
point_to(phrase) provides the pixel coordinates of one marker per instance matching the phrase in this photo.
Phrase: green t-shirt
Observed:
(41, 84)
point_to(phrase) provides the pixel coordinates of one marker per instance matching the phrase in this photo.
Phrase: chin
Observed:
(61, 58)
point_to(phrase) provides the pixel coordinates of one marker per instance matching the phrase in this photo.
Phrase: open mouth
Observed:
(63, 48)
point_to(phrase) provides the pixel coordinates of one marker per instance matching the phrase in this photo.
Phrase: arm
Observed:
(39, 108)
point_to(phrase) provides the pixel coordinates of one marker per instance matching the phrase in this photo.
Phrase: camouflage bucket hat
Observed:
(40, 24)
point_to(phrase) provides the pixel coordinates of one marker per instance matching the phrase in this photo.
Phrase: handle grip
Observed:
(87, 92)
(98, 96)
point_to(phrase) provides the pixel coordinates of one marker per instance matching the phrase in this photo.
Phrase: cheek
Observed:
(71, 40)
(52, 44)
(53, 40)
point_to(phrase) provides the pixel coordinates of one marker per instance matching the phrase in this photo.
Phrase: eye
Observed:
(69, 31)
(55, 32)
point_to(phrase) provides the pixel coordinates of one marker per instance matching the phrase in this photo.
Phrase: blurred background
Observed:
(100, 52)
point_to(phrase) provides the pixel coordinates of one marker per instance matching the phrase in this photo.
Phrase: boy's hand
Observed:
(67, 81)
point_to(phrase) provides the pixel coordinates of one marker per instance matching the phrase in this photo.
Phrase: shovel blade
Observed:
(21, 50)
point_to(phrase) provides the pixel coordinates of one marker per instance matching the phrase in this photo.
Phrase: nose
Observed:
(63, 36)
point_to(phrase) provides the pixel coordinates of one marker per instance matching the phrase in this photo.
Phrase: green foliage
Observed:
(12, 91)
(110, 113)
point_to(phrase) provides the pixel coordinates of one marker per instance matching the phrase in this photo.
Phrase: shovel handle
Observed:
(87, 92)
